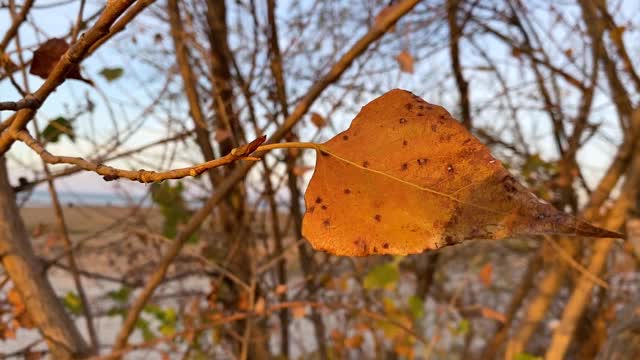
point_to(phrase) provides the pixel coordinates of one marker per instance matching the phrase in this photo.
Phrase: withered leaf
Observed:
(405, 60)
(407, 177)
(46, 57)
(318, 120)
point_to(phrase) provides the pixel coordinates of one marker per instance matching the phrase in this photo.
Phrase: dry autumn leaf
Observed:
(405, 60)
(407, 177)
(46, 57)
(492, 314)
(486, 274)
(318, 120)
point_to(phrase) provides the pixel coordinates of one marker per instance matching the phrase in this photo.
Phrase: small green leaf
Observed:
(383, 276)
(72, 302)
(416, 306)
(463, 327)
(111, 74)
(121, 295)
(525, 356)
(172, 206)
(57, 127)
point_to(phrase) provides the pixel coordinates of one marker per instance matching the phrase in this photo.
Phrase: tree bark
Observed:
(26, 272)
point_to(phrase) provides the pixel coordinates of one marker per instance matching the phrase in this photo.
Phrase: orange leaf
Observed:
(486, 274)
(318, 120)
(259, 306)
(405, 60)
(298, 312)
(281, 289)
(492, 314)
(407, 177)
(354, 341)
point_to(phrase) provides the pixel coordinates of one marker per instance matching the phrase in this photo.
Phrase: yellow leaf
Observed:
(405, 60)
(407, 177)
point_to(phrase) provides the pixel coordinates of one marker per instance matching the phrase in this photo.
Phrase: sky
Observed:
(139, 84)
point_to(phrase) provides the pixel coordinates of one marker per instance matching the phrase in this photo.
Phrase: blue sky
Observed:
(129, 95)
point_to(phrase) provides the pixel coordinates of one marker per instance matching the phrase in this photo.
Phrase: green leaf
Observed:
(111, 74)
(72, 302)
(172, 205)
(57, 127)
(463, 327)
(525, 356)
(384, 276)
(121, 295)
(416, 306)
(143, 325)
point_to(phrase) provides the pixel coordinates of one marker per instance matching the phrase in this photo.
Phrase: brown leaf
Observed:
(46, 57)
(407, 177)
(318, 120)
(405, 60)
(486, 274)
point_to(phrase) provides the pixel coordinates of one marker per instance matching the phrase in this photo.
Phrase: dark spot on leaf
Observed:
(450, 168)
(408, 107)
(422, 162)
(365, 164)
(466, 141)
(421, 107)
(375, 249)
(449, 240)
(404, 142)
(347, 191)
(403, 120)
(540, 216)
(324, 207)
(434, 127)
(326, 222)
(378, 218)
(443, 117)
(508, 184)
(429, 107)
(420, 114)
(324, 153)
(385, 245)
(318, 200)
(311, 209)
(345, 137)
(405, 166)
(361, 244)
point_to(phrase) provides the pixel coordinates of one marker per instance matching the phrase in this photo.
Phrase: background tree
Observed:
(215, 265)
